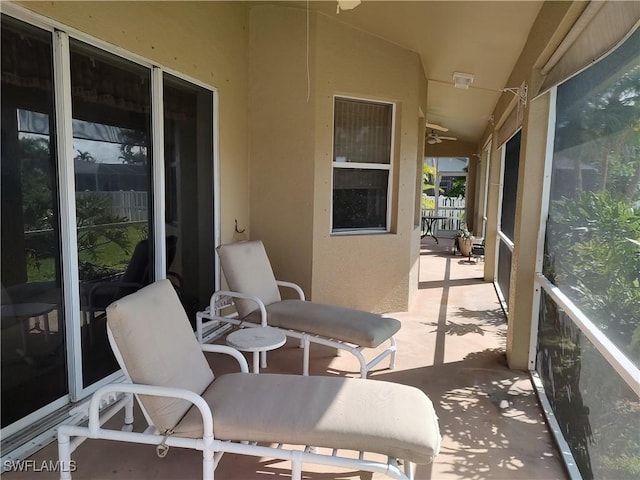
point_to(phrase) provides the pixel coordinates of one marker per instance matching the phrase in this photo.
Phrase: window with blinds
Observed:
(362, 146)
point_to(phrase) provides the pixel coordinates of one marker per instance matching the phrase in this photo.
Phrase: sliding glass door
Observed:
(108, 184)
(111, 108)
(33, 315)
(188, 143)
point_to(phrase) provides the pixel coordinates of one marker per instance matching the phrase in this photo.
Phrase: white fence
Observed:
(130, 204)
(451, 207)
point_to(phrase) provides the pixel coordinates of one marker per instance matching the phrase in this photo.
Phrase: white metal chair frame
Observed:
(71, 436)
(212, 318)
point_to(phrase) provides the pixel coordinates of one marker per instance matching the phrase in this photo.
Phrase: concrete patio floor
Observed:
(451, 346)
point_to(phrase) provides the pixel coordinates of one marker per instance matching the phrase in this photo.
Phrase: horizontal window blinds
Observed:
(362, 131)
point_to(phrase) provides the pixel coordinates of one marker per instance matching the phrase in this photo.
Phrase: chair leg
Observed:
(410, 469)
(47, 328)
(208, 464)
(128, 416)
(64, 455)
(296, 466)
(305, 359)
(392, 359)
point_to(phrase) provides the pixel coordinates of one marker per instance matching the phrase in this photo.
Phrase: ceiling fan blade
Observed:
(435, 126)
(447, 138)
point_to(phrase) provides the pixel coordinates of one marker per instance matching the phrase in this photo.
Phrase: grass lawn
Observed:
(108, 254)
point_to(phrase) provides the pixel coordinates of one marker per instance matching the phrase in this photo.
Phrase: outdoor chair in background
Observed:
(477, 251)
(257, 299)
(187, 407)
(97, 295)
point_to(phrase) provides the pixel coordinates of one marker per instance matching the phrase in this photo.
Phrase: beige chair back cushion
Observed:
(248, 270)
(158, 347)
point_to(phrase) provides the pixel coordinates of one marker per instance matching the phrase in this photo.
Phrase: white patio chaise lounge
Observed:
(257, 299)
(246, 413)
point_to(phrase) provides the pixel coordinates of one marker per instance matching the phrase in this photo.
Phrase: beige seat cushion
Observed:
(355, 414)
(348, 325)
(153, 334)
(248, 270)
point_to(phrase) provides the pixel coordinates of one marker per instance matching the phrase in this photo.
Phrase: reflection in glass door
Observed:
(111, 105)
(33, 342)
(188, 147)
(92, 208)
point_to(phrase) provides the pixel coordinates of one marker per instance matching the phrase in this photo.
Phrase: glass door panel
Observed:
(111, 105)
(33, 343)
(188, 137)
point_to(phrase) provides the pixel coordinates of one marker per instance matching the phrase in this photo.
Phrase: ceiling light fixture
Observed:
(462, 80)
(347, 5)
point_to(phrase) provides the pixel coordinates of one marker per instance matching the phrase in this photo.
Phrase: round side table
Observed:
(257, 340)
(23, 312)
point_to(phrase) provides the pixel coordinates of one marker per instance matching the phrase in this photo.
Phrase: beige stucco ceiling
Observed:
(476, 37)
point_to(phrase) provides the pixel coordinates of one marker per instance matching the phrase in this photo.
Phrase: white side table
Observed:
(257, 340)
(23, 312)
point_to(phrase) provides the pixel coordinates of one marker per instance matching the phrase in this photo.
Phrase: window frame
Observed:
(388, 167)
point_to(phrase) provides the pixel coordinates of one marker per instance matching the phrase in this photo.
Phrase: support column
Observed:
(527, 226)
(493, 208)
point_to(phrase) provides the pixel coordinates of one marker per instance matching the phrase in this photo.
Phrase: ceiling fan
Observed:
(433, 137)
(435, 126)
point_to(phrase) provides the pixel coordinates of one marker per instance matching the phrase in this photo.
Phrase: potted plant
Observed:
(464, 240)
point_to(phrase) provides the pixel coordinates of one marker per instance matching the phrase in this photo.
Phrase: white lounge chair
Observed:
(256, 295)
(246, 413)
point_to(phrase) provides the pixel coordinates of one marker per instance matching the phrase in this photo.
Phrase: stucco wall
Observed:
(371, 272)
(283, 195)
(282, 132)
(208, 41)
(291, 155)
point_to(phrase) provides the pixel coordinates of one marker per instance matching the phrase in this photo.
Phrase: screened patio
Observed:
(451, 346)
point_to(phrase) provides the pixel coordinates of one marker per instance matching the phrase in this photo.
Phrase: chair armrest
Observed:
(214, 348)
(157, 391)
(110, 287)
(260, 303)
(294, 286)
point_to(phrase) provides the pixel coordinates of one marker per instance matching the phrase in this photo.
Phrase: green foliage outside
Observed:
(105, 241)
(106, 259)
(593, 252)
(593, 255)
(428, 186)
(37, 195)
(459, 187)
